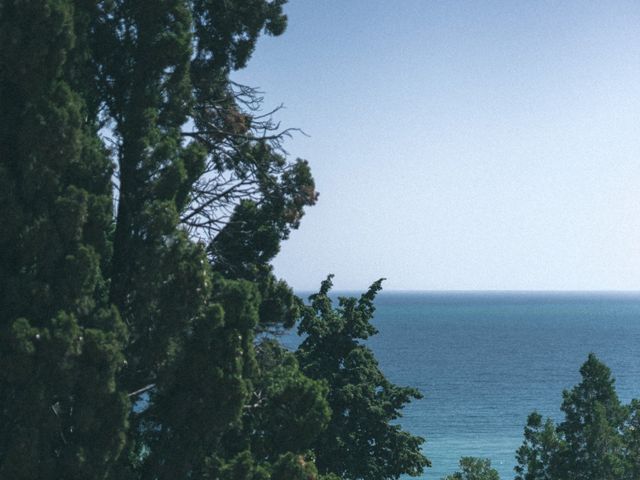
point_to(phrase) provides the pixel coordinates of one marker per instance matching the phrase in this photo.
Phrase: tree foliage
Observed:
(143, 195)
(361, 440)
(61, 340)
(596, 440)
(472, 468)
(538, 456)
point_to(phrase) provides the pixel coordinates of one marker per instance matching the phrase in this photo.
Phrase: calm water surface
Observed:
(484, 361)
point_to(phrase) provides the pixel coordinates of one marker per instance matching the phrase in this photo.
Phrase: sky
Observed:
(481, 145)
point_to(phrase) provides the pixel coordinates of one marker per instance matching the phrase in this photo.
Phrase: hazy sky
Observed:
(462, 145)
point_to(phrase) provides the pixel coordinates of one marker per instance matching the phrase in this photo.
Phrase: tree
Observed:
(82, 85)
(193, 165)
(537, 457)
(592, 425)
(472, 468)
(631, 440)
(143, 196)
(61, 340)
(289, 409)
(596, 440)
(360, 442)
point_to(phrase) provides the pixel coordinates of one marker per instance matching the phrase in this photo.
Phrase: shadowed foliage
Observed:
(143, 196)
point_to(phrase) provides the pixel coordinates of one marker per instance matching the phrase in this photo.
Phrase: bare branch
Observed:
(142, 390)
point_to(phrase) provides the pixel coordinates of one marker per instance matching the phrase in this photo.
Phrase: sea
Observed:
(485, 360)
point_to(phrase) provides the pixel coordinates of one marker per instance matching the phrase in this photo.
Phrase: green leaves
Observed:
(631, 440)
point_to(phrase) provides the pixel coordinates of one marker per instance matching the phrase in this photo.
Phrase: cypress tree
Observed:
(62, 415)
(71, 71)
(185, 152)
(141, 204)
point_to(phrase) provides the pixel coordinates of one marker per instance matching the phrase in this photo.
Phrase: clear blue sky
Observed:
(462, 145)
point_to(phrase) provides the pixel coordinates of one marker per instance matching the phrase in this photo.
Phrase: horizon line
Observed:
(400, 290)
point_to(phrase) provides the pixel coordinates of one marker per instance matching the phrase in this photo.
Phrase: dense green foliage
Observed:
(142, 199)
(360, 441)
(598, 439)
(472, 468)
(61, 340)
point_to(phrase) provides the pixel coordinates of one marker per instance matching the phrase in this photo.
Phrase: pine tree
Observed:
(288, 409)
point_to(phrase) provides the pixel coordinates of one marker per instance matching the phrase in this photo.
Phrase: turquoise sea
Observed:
(484, 361)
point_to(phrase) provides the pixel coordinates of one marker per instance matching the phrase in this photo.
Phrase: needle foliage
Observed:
(143, 196)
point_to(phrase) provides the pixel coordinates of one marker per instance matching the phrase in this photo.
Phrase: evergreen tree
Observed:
(631, 440)
(360, 442)
(592, 425)
(538, 455)
(202, 395)
(288, 409)
(286, 413)
(472, 468)
(596, 440)
(189, 163)
(62, 415)
(135, 344)
(144, 72)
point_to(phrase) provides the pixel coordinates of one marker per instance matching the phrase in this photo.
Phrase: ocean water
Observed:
(484, 361)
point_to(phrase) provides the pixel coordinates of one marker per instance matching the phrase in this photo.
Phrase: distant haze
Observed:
(462, 145)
